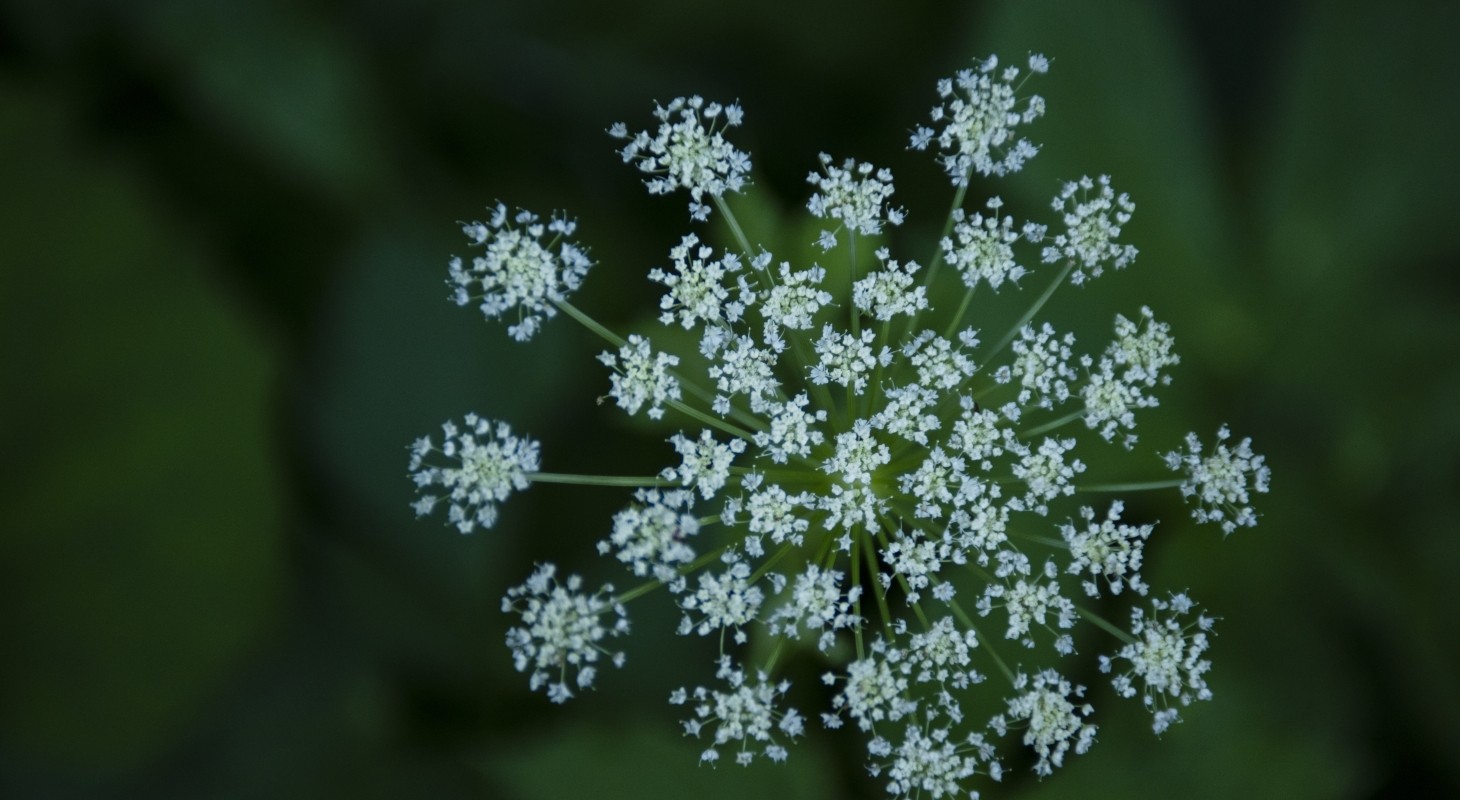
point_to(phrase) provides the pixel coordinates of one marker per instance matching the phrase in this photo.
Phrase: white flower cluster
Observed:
(854, 475)
(1053, 722)
(519, 270)
(978, 117)
(1166, 658)
(562, 628)
(688, 151)
(1107, 551)
(1223, 481)
(489, 464)
(1133, 364)
(854, 194)
(1092, 225)
(745, 714)
(982, 248)
(641, 376)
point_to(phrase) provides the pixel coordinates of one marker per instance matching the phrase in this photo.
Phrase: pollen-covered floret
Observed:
(980, 435)
(846, 359)
(935, 483)
(641, 376)
(527, 267)
(933, 763)
(744, 368)
(982, 248)
(909, 413)
(696, 282)
(1041, 366)
(794, 299)
(722, 601)
(489, 463)
(561, 631)
(1046, 474)
(855, 195)
(941, 364)
(652, 535)
(1135, 362)
(817, 604)
(858, 454)
(772, 511)
(876, 689)
(1053, 723)
(792, 430)
(977, 121)
(1029, 601)
(1223, 482)
(1107, 550)
(706, 464)
(943, 654)
(688, 151)
(1092, 224)
(746, 716)
(1166, 659)
(891, 290)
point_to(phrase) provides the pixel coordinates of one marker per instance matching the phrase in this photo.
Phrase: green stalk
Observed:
(1131, 487)
(1108, 626)
(1028, 315)
(597, 480)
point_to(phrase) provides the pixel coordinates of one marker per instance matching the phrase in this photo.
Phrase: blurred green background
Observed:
(223, 236)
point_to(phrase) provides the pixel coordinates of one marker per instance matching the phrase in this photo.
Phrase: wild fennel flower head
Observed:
(853, 473)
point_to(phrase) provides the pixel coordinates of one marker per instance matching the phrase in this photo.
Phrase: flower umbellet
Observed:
(857, 472)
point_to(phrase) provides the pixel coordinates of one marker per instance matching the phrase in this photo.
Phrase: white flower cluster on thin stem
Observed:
(747, 715)
(1052, 713)
(1092, 224)
(1165, 657)
(977, 120)
(851, 473)
(854, 194)
(562, 630)
(489, 463)
(527, 266)
(1223, 481)
(982, 248)
(688, 151)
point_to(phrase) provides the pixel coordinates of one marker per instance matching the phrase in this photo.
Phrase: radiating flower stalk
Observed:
(858, 474)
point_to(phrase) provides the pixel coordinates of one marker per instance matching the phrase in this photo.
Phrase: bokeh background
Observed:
(223, 236)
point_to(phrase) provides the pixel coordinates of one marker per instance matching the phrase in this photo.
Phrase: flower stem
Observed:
(937, 259)
(857, 604)
(958, 317)
(988, 648)
(1131, 487)
(1051, 425)
(770, 562)
(613, 338)
(649, 586)
(732, 429)
(852, 285)
(1105, 624)
(735, 229)
(1034, 309)
(598, 480)
(877, 590)
(590, 323)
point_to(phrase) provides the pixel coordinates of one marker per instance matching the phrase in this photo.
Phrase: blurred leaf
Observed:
(140, 556)
(1362, 170)
(276, 82)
